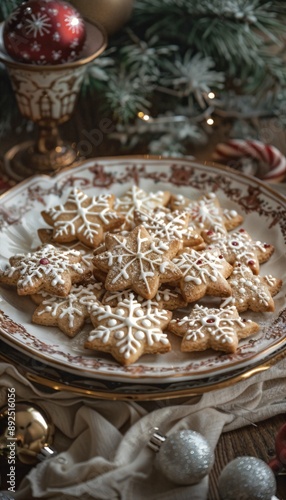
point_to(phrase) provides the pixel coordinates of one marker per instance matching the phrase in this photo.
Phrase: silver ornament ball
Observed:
(247, 478)
(185, 457)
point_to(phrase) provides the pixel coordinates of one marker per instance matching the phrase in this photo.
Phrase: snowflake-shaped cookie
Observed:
(46, 236)
(240, 247)
(50, 269)
(137, 199)
(138, 261)
(204, 273)
(83, 218)
(168, 226)
(205, 213)
(219, 329)
(68, 313)
(128, 330)
(250, 291)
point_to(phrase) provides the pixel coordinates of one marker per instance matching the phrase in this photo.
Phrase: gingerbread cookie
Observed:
(46, 236)
(50, 269)
(250, 291)
(219, 329)
(83, 218)
(204, 273)
(205, 213)
(239, 247)
(137, 199)
(138, 262)
(128, 330)
(167, 226)
(68, 313)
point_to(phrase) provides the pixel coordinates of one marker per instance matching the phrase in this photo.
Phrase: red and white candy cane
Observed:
(236, 148)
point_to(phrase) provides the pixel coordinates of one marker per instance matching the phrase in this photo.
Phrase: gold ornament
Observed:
(112, 14)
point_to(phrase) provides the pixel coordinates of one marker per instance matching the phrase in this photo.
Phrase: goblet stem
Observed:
(48, 138)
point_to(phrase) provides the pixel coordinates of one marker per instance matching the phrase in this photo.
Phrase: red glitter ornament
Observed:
(44, 32)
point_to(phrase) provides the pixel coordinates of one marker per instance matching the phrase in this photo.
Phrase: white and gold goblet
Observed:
(47, 95)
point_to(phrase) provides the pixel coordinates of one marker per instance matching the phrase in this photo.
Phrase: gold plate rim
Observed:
(146, 396)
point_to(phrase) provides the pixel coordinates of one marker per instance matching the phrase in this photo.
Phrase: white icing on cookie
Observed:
(83, 295)
(137, 199)
(148, 256)
(87, 215)
(218, 323)
(167, 225)
(205, 212)
(130, 325)
(198, 267)
(248, 287)
(46, 262)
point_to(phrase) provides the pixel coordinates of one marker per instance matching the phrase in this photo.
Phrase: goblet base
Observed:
(24, 160)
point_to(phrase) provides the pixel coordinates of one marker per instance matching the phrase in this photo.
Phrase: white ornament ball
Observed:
(247, 478)
(185, 457)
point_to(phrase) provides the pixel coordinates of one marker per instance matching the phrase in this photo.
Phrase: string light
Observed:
(210, 121)
(211, 95)
(142, 116)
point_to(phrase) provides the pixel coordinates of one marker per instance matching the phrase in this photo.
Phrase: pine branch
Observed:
(193, 74)
(168, 59)
(216, 28)
(7, 6)
(127, 94)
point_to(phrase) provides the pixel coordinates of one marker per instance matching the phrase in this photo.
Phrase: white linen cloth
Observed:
(102, 445)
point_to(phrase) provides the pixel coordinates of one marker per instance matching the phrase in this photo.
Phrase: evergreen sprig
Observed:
(168, 59)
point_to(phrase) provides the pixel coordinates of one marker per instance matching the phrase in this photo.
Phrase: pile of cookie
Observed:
(129, 265)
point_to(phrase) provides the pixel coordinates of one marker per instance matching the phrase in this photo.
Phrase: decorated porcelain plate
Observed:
(264, 214)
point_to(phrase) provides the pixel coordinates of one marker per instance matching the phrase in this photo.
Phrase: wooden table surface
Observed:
(256, 441)
(251, 440)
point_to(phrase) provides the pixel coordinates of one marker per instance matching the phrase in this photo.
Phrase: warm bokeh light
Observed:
(143, 116)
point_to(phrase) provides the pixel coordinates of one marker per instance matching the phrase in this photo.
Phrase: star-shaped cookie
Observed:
(240, 247)
(138, 199)
(204, 273)
(46, 236)
(128, 330)
(83, 218)
(68, 313)
(219, 329)
(205, 213)
(167, 225)
(250, 291)
(50, 269)
(138, 261)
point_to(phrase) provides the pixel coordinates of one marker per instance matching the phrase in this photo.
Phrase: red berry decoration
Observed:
(44, 261)
(44, 32)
